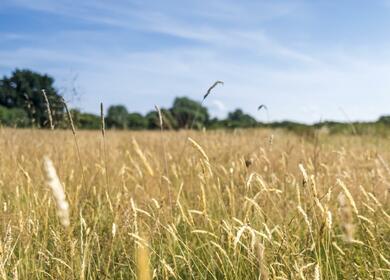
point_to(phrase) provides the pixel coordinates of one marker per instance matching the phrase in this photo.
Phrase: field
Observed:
(244, 204)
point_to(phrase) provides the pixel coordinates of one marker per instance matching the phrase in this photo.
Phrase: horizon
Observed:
(306, 61)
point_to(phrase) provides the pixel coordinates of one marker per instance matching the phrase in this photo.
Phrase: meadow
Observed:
(243, 204)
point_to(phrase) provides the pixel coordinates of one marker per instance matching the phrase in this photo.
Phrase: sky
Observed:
(306, 60)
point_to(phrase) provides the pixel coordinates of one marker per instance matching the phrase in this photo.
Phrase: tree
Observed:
(136, 121)
(85, 120)
(188, 112)
(239, 119)
(215, 123)
(13, 117)
(384, 119)
(117, 117)
(169, 121)
(153, 120)
(23, 90)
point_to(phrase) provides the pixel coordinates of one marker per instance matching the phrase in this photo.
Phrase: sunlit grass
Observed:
(252, 204)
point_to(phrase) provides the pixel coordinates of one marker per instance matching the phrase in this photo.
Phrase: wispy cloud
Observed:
(140, 53)
(218, 108)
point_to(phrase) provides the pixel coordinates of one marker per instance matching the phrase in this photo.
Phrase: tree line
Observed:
(23, 104)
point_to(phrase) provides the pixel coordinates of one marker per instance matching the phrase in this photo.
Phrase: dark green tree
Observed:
(13, 117)
(188, 112)
(239, 119)
(85, 120)
(153, 120)
(384, 119)
(23, 90)
(169, 121)
(136, 121)
(215, 123)
(117, 117)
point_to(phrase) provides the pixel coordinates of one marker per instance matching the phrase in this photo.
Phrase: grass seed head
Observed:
(58, 192)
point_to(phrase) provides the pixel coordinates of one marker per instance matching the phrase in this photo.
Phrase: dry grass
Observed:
(242, 206)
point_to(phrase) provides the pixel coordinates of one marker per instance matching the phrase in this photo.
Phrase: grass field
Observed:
(250, 204)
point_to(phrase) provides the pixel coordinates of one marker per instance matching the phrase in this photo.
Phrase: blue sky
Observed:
(306, 60)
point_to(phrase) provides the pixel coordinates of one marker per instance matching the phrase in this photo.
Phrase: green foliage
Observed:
(13, 117)
(169, 121)
(23, 90)
(117, 117)
(22, 104)
(153, 120)
(85, 120)
(189, 113)
(136, 121)
(238, 119)
(215, 123)
(384, 120)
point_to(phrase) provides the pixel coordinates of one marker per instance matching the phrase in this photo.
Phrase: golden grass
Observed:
(302, 209)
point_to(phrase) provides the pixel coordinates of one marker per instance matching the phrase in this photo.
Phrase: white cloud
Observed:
(142, 79)
(219, 105)
(217, 108)
(257, 67)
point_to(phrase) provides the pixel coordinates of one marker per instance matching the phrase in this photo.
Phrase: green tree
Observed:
(117, 117)
(136, 121)
(13, 117)
(239, 119)
(188, 112)
(384, 119)
(215, 123)
(85, 120)
(169, 121)
(153, 120)
(23, 90)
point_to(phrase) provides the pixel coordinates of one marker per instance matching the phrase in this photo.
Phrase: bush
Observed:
(13, 117)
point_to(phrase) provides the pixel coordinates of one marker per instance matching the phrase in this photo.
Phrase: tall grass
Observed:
(290, 214)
